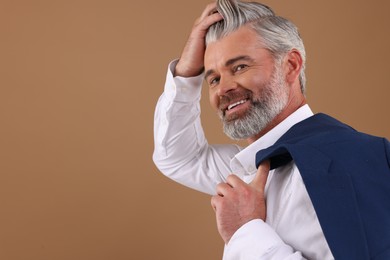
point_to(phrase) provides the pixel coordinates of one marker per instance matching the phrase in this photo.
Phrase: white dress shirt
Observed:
(291, 230)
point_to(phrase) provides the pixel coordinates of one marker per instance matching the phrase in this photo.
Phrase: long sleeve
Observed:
(181, 150)
(256, 240)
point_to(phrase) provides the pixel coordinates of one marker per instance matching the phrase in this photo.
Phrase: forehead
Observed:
(244, 41)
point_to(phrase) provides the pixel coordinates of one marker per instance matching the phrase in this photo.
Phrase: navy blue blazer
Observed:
(347, 176)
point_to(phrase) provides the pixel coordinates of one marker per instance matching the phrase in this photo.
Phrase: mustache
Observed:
(231, 97)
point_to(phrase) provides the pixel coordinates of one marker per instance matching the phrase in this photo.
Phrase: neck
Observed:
(290, 108)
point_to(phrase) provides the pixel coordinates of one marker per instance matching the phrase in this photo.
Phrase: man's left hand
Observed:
(237, 203)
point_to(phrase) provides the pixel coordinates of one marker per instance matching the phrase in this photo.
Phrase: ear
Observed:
(292, 65)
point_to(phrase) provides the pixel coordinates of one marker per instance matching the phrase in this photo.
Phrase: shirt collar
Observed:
(243, 163)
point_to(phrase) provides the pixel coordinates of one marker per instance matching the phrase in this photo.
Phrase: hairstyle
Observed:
(277, 34)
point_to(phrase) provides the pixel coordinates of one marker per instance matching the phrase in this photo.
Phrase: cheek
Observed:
(257, 81)
(253, 83)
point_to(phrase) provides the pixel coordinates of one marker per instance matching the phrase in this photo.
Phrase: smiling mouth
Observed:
(231, 106)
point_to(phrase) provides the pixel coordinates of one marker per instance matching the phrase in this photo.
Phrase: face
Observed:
(246, 87)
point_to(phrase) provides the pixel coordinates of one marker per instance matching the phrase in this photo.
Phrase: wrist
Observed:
(185, 71)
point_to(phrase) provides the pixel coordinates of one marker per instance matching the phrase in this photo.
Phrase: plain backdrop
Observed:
(79, 80)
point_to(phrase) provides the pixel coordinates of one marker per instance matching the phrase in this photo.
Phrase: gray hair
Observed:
(277, 34)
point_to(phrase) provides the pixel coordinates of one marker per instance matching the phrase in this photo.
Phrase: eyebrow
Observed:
(229, 63)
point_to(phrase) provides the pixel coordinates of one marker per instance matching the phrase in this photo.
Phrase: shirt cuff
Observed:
(180, 88)
(256, 240)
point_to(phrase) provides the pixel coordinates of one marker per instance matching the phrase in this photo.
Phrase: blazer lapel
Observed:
(332, 194)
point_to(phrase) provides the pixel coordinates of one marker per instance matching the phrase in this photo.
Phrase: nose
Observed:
(226, 84)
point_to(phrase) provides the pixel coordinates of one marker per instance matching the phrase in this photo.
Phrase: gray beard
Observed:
(273, 100)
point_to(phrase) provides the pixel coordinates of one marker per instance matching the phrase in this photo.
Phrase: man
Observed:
(311, 204)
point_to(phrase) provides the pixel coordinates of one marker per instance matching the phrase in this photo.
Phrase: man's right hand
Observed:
(191, 62)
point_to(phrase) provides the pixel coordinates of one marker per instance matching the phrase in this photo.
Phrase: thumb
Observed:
(261, 176)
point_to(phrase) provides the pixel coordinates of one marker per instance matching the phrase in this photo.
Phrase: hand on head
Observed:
(191, 60)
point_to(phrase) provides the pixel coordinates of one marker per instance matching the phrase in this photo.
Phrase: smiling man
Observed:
(306, 186)
(247, 85)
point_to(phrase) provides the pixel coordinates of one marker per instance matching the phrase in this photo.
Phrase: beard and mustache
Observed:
(263, 109)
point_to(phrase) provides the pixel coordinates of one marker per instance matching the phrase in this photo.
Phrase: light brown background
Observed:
(78, 84)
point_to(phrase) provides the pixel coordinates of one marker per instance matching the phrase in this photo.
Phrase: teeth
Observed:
(236, 104)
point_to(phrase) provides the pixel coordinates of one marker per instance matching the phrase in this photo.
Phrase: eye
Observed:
(213, 81)
(239, 67)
